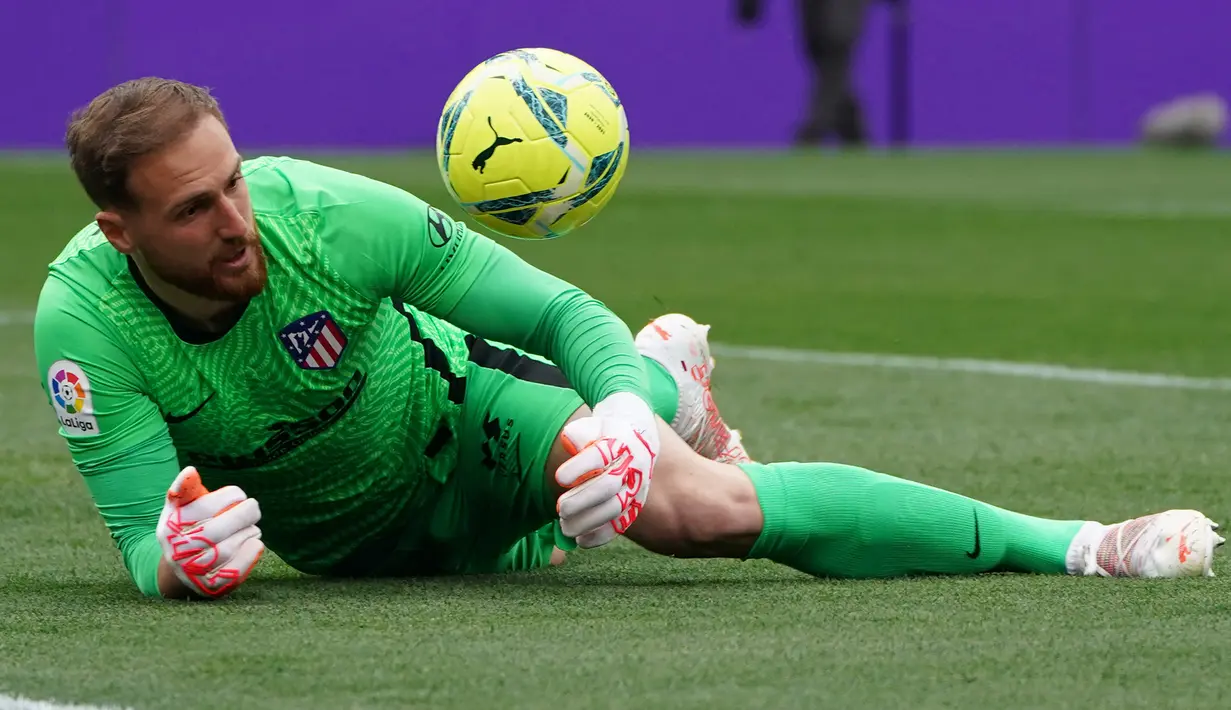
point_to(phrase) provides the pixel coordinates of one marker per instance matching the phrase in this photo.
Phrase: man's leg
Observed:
(833, 520)
(845, 26)
(831, 33)
(824, 519)
(816, 124)
(496, 514)
(845, 521)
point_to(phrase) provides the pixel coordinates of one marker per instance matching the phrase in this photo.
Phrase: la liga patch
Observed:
(72, 399)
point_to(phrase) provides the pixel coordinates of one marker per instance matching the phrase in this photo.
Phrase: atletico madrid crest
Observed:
(315, 342)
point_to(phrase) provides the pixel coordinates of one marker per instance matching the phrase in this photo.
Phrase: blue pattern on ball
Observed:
(448, 126)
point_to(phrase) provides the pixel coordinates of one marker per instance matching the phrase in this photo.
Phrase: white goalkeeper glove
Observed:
(209, 538)
(608, 477)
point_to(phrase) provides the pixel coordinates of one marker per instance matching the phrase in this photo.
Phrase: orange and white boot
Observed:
(681, 345)
(1174, 543)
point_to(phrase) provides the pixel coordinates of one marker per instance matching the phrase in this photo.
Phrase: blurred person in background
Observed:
(831, 32)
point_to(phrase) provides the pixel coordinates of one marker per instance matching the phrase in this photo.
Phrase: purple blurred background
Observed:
(375, 75)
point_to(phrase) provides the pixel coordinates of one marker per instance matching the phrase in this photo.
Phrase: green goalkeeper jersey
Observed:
(333, 398)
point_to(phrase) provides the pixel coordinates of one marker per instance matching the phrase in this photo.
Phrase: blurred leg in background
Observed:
(831, 30)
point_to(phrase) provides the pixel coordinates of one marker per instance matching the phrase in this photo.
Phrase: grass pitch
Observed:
(1116, 261)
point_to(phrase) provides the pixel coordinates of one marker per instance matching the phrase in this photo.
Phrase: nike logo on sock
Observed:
(978, 545)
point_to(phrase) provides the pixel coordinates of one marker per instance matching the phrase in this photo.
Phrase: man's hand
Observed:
(209, 539)
(608, 477)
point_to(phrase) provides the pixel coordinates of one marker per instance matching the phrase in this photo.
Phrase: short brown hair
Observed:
(126, 122)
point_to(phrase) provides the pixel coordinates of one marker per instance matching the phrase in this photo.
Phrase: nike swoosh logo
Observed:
(978, 543)
(174, 419)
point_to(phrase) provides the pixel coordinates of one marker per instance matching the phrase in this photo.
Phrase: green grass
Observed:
(1102, 260)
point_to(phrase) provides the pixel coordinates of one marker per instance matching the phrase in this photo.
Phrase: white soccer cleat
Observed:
(680, 344)
(1175, 543)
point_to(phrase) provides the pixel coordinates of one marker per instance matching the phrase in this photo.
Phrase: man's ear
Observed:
(112, 225)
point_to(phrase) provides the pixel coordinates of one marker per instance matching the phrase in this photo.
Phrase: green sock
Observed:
(664, 394)
(833, 520)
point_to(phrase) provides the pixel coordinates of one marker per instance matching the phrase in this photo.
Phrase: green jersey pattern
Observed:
(334, 399)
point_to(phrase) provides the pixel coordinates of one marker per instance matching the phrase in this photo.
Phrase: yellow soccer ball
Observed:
(532, 143)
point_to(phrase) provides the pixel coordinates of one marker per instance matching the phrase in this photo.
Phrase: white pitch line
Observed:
(16, 702)
(1037, 371)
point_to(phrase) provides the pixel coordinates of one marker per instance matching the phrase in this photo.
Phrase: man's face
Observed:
(193, 225)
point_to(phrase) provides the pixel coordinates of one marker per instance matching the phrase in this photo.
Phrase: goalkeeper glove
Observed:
(608, 477)
(210, 539)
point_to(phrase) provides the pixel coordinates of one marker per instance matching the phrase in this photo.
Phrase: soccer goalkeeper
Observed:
(245, 354)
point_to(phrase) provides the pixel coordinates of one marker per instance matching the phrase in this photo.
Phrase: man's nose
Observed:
(233, 224)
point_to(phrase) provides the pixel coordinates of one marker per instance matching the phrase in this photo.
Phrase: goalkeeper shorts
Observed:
(496, 512)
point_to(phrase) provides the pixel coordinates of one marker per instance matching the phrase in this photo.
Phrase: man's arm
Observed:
(130, 496)
(508, 300)
(390, 244)
(116, 436)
